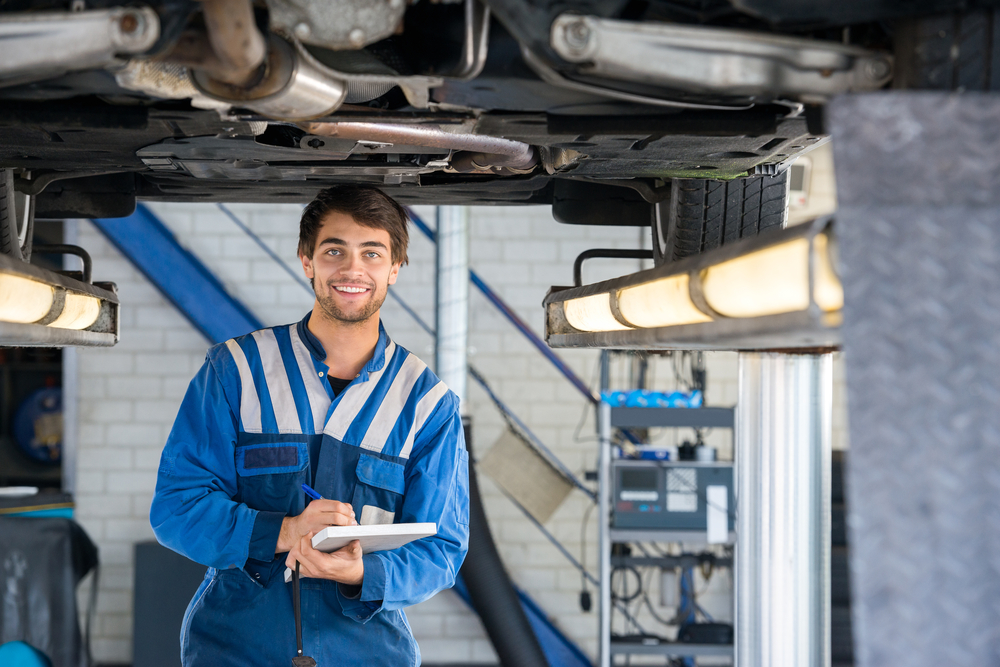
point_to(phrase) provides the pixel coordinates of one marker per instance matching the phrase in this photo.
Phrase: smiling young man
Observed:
(330, 401)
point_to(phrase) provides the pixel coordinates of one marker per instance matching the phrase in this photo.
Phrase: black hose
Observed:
(493, 596)
(296, 602)
(299, 660)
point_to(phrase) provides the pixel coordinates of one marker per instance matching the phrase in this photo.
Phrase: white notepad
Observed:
(377, 537)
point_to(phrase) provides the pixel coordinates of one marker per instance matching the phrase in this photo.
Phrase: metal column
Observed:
(603, 520)
(70, 382)
(783, 431)
(452, 298)
(917, 176)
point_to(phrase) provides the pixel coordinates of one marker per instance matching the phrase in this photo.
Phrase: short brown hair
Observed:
(369, 206)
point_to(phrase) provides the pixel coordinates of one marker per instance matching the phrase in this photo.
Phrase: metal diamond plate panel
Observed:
(919, 227)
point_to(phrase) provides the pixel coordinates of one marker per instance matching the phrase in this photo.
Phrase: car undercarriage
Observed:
(508, 101)
(604, 109)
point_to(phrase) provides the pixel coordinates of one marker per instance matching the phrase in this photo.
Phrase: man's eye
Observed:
(373, 254)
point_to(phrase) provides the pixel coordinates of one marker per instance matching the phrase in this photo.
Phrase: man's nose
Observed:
(352, 266)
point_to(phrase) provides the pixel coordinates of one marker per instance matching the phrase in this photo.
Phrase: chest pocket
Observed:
(270, 476)
(378, 493)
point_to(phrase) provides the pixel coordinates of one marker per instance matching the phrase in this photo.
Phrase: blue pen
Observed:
(311, 492)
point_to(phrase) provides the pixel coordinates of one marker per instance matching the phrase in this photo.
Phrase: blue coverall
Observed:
(258, 420)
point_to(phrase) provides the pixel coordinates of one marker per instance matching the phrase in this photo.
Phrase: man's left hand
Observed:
(343, 565)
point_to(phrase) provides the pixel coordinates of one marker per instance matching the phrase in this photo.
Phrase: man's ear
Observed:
(307, 265)
(393, 273)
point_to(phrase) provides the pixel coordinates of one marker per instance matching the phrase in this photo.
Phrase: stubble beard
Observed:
(334, 313)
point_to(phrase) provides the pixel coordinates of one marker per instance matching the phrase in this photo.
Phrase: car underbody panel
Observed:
(196, 155)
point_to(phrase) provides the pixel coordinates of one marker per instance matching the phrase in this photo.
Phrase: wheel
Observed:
(953, 51)
(701, 214)
(17, 217)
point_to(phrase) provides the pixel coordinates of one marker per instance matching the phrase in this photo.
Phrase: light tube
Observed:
(80, 312)
(661, 303)
(766, 282)
(23, 300)
(592, 313)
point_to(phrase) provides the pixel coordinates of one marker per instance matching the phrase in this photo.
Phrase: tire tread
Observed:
(709, 214)
(959, 51)
(6, 213)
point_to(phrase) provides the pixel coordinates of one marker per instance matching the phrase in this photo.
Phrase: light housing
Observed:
(776, 291)
(39, 307)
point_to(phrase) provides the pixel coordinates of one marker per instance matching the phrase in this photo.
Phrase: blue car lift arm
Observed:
(180, 276)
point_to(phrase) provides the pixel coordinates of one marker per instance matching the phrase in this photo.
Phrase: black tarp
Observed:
(41, 562)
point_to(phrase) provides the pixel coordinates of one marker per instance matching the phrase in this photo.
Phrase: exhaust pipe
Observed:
(233, 63)
(476, 152)
(231, 49)
(289, 87)
(233, 34)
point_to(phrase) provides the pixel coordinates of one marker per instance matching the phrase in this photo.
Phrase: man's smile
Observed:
(351, 289)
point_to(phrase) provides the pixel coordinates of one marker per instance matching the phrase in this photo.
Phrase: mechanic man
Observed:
(332, 402)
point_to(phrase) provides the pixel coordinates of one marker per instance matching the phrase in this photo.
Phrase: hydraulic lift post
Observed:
(604, 514)
(782, 460)
(452, 307)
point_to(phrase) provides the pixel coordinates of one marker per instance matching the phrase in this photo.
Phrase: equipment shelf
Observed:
(672, 417)
(670, 649)
(609, 417)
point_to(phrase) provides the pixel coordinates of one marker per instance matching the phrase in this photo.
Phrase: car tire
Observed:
(701, 214)
(954, 51)
(17, 217)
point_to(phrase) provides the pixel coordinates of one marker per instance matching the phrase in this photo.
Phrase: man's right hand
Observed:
(317, 515)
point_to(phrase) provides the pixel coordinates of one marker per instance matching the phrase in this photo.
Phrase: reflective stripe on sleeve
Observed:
(249, 401)
(392, 404)
(425, 406)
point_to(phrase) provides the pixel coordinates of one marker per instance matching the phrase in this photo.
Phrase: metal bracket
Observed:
(337, 24)
(554, 78)
(715, 61)
(41, 45)
(615, 253)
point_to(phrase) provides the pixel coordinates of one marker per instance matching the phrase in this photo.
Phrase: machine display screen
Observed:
(639, 479)
(638, 485)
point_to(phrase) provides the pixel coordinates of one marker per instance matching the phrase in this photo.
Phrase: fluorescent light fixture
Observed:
(39, 307)
(593, 313)
(660, 303)
(778, 290)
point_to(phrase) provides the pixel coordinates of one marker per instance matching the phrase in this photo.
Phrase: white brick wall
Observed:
(129, 396)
